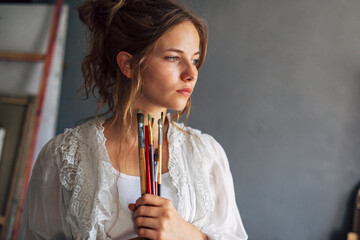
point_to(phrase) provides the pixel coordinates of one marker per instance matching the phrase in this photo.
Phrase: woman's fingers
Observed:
(146, 222)
(147, 211)
(149, 199)
(149, 233)
(157, 218)
(153, 200)
(132, 207)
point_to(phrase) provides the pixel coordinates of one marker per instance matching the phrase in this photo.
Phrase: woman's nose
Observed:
(189, 72)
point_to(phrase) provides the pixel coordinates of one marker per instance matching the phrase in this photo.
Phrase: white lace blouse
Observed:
(70, 192)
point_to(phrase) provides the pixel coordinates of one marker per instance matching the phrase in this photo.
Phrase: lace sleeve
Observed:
(44, 210)
(225, 221)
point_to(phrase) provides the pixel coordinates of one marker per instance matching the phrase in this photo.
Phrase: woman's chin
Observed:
(179, 107)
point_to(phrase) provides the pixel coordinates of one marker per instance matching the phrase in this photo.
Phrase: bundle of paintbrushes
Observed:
(149, 158)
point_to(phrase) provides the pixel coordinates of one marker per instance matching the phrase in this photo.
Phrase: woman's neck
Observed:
(114, 128)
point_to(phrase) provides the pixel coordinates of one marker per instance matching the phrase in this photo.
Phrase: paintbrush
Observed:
(148, 172)
(141, 146)
(156, 168)
(160, 139)
(151, 152)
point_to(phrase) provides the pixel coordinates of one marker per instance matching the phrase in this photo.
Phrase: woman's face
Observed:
(170, 74)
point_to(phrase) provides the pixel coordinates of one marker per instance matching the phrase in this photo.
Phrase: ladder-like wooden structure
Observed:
(10, 228)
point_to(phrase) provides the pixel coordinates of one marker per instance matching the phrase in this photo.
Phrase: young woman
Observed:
(143, 54)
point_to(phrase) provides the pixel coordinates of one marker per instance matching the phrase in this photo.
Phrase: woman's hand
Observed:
(157, 218)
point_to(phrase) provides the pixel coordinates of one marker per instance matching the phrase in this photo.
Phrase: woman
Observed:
(143, 54)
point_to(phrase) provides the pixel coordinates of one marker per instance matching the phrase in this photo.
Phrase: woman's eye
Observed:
(172, 58)
(195, 62)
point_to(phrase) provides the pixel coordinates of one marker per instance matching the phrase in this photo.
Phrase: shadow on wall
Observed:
(347, 222)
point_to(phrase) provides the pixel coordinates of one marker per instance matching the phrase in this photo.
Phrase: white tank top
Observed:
(121, 226)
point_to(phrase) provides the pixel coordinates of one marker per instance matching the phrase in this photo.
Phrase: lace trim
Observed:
(68, 149)
(175, 170)
(204, 200)
(89, 206)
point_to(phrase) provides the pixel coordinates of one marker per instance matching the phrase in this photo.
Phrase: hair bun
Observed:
(96, 14)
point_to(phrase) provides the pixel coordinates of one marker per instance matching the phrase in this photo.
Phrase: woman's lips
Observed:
(185, 92)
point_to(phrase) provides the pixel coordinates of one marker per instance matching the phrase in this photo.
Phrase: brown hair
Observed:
(132, 26)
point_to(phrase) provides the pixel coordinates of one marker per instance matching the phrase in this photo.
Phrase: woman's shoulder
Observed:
(64, 150)
(64, 146)
(185, 134)
(85, 133)
(181, 130)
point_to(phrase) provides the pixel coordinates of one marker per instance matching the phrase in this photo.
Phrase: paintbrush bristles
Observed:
(140, 120)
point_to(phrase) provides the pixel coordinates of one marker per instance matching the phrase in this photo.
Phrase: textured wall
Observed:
(280, 90)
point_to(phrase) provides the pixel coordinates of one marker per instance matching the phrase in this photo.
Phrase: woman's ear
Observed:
(123, 61)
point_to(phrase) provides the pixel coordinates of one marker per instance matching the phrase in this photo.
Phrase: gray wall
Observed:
(280, 90)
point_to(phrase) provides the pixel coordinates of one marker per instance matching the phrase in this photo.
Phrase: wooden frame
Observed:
(16, 115)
